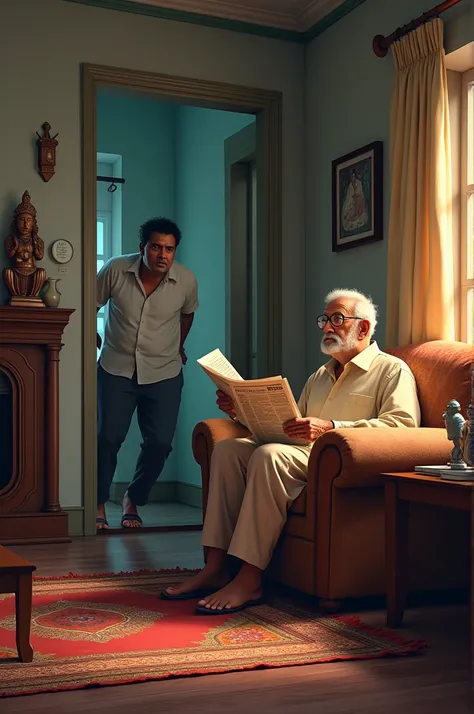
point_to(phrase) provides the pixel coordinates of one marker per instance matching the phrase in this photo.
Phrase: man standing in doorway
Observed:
(151, 304)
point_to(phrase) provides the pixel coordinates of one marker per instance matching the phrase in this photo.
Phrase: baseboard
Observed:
(162, 491)
(75, 520)
(189, 494)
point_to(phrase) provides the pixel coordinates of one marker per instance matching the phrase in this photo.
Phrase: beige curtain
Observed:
(420, 284)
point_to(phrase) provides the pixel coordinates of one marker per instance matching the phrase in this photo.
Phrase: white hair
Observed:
(363, 306)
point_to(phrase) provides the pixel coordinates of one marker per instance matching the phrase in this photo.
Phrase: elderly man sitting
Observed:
(252, 486)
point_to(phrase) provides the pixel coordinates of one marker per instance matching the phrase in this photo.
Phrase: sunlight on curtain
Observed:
(420, 289)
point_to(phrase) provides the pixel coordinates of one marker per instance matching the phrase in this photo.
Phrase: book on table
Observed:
(262, 405)
(446, 473)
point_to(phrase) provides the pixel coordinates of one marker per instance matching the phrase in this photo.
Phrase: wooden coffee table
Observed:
(16, 576)
(400, 489)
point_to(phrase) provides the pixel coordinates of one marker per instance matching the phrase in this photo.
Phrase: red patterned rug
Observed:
(98, 630)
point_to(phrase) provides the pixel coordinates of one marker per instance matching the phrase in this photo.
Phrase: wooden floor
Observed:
(438, 682)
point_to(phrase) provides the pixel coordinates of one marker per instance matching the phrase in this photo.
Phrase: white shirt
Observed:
(375, 390)
(143, 333)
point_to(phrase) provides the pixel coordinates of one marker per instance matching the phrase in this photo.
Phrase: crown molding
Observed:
(151, 9)
(314, 11)
(331, 18)
(234, 11)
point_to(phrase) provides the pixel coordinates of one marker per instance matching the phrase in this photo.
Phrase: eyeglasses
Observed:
(337, 319)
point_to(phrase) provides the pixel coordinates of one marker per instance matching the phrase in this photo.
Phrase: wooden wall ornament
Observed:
(46, 152)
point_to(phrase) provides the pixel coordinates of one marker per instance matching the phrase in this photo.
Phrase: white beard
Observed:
(336, 344)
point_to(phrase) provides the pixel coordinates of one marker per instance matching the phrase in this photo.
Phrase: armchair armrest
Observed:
(206, 434)
(355, 458)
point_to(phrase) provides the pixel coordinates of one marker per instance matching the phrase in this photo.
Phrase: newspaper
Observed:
(262, 405)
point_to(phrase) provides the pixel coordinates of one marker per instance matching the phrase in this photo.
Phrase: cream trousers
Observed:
(250, 490)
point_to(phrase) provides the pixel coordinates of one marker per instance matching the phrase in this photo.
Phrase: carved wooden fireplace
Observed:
(30, 342)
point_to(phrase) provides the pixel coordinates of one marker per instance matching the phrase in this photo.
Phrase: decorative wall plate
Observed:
(62, 251)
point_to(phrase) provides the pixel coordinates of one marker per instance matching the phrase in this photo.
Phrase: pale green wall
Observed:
(42, 46)
(142, 131)
(348, 94)
(201, 214)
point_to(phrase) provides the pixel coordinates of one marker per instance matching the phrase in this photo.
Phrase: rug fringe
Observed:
(84, 576)
(381, 654)
(416, 645)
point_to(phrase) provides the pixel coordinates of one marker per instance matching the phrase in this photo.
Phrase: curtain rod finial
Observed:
(379, 46)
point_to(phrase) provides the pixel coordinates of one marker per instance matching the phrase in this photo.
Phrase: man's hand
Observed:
(225, 404)
(99, 341)
(306, 428)
(183, 355)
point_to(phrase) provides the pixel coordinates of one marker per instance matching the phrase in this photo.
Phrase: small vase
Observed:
(50, 294)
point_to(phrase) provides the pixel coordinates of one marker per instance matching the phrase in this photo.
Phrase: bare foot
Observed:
(101, 519)
(215, 574)
(246, 586)
(207, 578)
(130, 509)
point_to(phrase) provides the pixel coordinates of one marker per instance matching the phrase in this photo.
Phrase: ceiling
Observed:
(293, 15)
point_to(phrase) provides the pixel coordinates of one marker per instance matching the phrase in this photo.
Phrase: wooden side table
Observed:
(16, 576)
(400, 489)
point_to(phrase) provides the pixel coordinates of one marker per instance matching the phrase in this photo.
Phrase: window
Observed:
(467, 225)
(104, 252)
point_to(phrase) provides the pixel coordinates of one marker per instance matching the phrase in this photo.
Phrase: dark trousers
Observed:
(157, 408)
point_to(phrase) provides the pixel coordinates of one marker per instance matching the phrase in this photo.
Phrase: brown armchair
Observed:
(333, 543)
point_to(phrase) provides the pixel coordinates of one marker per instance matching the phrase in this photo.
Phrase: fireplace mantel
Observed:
(30, 342)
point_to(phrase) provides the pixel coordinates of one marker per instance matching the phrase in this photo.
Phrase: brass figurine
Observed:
(23, 246)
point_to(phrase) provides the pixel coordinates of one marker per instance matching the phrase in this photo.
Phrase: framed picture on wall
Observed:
(357, 197)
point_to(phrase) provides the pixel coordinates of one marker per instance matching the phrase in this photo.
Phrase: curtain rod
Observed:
(381, 44)
(113, 182)
(110, 179)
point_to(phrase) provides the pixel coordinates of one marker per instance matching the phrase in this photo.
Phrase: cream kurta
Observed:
(375, 389)
(251, 487)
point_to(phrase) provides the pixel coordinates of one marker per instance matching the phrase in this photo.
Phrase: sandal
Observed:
(133, 517)
(191, 595)
(202, 610)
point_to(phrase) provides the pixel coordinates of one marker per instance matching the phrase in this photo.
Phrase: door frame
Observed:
(267, 106)
(239, 149)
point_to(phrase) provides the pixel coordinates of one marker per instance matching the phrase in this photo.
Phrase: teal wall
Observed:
(201, 215)
(348, 95)
(173, 164)
(142, 131)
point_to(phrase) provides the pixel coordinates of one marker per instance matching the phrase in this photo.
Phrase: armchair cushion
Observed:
(442, 372)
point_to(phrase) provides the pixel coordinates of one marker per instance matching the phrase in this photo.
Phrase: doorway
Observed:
(266, 107)
(174, 166)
